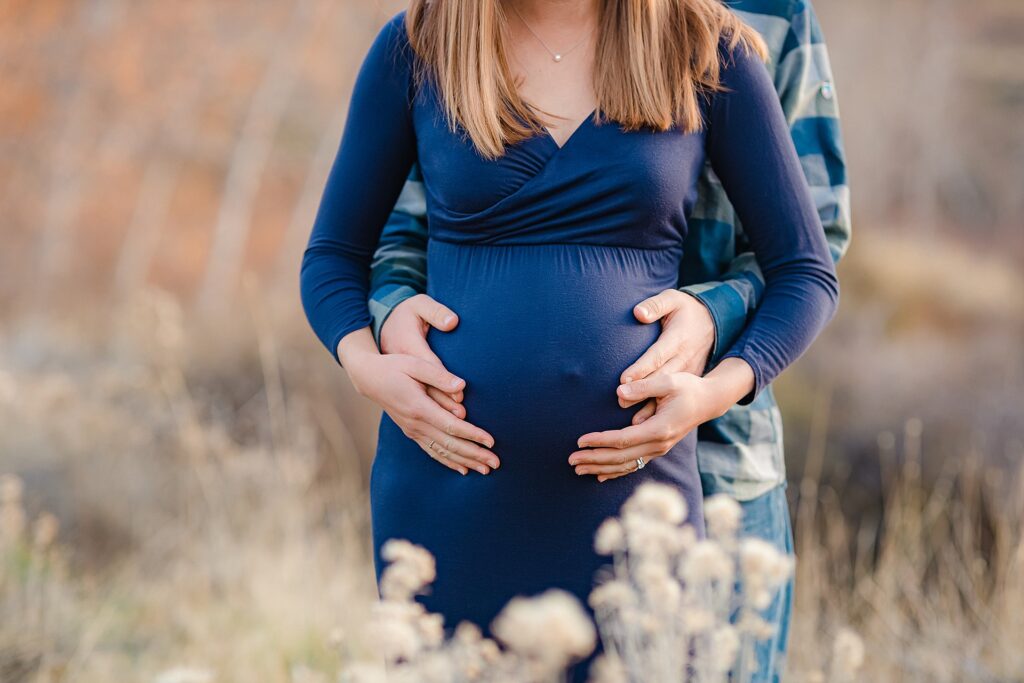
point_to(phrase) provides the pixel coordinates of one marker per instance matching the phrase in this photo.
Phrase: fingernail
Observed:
(449, 319)
(482, 470)
(625, 389)
(573, 461)
(627, 379)
(643, 311)
(455, 383)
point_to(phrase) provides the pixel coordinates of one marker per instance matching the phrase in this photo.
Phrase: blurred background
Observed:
(185, 467)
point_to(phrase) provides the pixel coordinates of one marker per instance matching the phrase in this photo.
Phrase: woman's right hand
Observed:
(399, 383)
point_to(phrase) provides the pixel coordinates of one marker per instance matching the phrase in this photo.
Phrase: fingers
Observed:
(614, 461)
(620, 468)
(641, 415)
(434, 313)
(450, 463)
(447, 402)
(658, 306)
(418, 347)
(652, 359)
(652, 437)
(675, 364)
(654, 386)
(433, 375)
(604, 460)
(434, 416)
(463, 452)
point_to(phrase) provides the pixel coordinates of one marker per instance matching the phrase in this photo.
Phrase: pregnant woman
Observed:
(559, 178)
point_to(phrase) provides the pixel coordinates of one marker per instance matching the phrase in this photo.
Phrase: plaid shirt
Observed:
(740, 453)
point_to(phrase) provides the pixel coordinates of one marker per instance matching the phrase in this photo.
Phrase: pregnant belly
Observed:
(544, 334)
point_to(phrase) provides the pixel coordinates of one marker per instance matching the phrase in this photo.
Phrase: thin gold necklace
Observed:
(557, 56)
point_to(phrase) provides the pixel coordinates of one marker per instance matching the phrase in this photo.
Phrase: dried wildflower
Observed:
(395, 638)
(754, 625)
(610, 537)
(612, 595)
(551, 627)
(764, 570)
(431, 628)
(467, 633)
(707, 562)
(651, 538)
(608, 669)
(412, 568)
(847, 655)
(725, 645)
(656, 501)
(362, 672)
(723, 515)
(698, 620)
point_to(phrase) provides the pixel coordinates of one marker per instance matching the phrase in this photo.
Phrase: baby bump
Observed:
(544, 333)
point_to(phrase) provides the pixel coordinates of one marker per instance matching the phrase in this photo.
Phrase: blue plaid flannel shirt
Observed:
(740, 453)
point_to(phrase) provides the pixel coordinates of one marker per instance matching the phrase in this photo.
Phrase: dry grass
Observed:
(215, 520)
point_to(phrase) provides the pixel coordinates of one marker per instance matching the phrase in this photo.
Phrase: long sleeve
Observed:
(805, 87)
(400, 264)
(378, 147)
(752, 151)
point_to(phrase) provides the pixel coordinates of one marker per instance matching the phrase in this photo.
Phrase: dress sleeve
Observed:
(377, 150)
(752, 152)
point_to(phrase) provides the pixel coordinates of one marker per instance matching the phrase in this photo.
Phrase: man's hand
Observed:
(405, 331)
(687, 337)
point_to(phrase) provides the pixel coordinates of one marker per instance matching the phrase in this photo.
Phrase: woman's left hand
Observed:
(682, 401)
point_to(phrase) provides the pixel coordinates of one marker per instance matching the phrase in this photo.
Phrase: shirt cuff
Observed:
(382, 302)
(728, 310)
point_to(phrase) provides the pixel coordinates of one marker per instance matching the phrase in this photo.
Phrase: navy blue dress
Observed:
(543, 253)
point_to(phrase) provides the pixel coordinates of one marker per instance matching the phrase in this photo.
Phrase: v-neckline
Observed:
(579, 127)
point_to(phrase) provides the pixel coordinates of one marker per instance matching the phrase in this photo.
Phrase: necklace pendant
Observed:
(558, 58)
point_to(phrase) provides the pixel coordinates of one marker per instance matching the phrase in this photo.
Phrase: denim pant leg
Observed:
(767, 517)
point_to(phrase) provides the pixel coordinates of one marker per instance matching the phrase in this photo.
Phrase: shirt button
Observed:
(827, 91)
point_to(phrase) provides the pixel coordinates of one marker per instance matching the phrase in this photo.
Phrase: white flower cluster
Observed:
(673, 607)
(541, 636)
(665, 612)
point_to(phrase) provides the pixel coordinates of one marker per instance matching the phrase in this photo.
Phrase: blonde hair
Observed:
(654, 61)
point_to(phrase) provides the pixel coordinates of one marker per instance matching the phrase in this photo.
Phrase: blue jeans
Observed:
(767, 517)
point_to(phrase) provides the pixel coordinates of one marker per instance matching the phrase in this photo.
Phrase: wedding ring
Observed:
(640, 464)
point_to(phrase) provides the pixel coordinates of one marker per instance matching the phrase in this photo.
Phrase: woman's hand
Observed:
(398, 383)
(682, 402)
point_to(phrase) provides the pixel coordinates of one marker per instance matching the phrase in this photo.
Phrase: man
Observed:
(741, 453)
